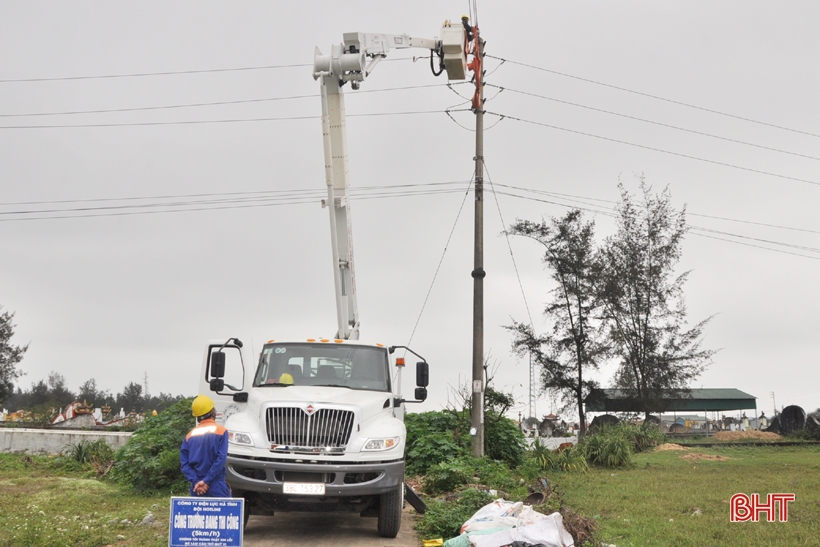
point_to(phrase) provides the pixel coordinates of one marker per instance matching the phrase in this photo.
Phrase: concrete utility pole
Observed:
(478, 262)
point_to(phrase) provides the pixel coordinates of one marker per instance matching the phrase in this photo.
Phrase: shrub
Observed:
(468, 470)
(504, 441)
(569, 460)
(496, 475)
(97, 453)
(444, 519)
(150, 459)
(608, 447)
(642, 437)
(439, 436)
(429, 450)
(613, 446)
(431, 439)
(449, 475)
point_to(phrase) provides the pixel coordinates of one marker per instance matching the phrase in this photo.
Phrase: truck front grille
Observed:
(293, 428)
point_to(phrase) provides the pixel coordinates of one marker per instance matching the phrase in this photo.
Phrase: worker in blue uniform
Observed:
(204, 452)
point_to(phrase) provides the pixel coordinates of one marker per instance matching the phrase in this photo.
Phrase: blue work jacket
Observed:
(202, 458)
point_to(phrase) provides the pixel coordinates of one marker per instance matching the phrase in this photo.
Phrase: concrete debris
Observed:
(148, 520)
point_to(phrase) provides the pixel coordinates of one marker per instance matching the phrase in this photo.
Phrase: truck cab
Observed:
(317, 426)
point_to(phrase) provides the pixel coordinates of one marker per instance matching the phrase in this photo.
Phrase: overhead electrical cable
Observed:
(199, 122)
(697, 230)
(294, 191)
(142, 74)
(509, 246)
(755, 223)
(262, 200)
(645, 147)
(360, 191)
(660, 124)
(292, 197)
(584, 200)
(214, 103)
(657, 97)
(170, 72)
(441, 260)
(790, 245)
(756, 246)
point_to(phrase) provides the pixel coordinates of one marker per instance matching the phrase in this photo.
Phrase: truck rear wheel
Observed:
(390, 512)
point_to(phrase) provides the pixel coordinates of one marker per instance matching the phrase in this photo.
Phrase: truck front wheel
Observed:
(390, 512)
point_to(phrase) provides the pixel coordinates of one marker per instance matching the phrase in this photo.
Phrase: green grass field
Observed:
(48, 503)
(665, 500)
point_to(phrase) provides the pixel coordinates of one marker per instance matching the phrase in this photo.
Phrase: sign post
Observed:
(206, 522)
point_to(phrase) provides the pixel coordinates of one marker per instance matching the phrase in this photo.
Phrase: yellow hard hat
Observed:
(286, 379)
(202, 405)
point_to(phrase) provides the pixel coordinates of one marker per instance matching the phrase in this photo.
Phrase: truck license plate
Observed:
(305, 488)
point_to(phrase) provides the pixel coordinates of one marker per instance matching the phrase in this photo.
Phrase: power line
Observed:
(696, 230)
(509, 246)
(688, 213)
(756, 223)
(688, 105)
(361, 191)
(799, 247)
(141, 74)
(200, 122)
(441, 261)
(193, 105)
(236, 200)
(661, 124)
(756, 246)
(169, 73)
(715, 162)
(317, 191)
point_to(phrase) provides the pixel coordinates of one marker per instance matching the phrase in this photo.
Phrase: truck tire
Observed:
(390, 512)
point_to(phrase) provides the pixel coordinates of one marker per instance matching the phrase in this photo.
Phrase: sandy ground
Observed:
(751, 435)
(326, 529)
(669, 446)
(710, 457)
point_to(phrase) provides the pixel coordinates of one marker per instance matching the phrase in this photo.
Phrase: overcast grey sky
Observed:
(113, 291)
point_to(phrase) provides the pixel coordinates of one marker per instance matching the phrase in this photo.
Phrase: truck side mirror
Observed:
(217, 384)
(421, 393)
(422, 374)
(217, 366)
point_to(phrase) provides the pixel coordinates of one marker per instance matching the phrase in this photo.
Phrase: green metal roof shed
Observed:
(698, 400)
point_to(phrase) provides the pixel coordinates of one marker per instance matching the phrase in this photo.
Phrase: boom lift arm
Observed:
(352, 61)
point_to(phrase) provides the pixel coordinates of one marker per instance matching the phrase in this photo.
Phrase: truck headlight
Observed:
(239, 438)
(381, 444)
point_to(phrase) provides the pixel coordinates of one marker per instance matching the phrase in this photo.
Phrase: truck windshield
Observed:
(343, 365)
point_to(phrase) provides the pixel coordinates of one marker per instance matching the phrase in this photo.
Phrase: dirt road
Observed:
(326, 529)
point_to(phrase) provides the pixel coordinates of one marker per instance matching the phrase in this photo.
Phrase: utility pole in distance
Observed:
(477, 414)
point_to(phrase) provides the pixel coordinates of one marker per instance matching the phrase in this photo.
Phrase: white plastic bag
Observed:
(548, 531)
(501, 513)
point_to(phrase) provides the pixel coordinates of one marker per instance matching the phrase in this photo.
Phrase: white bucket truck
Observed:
(319, 423)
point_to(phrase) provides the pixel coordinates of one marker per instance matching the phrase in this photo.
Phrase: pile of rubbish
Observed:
(510, 523)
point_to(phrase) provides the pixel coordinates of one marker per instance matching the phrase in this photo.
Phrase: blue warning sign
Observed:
(206, 522)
